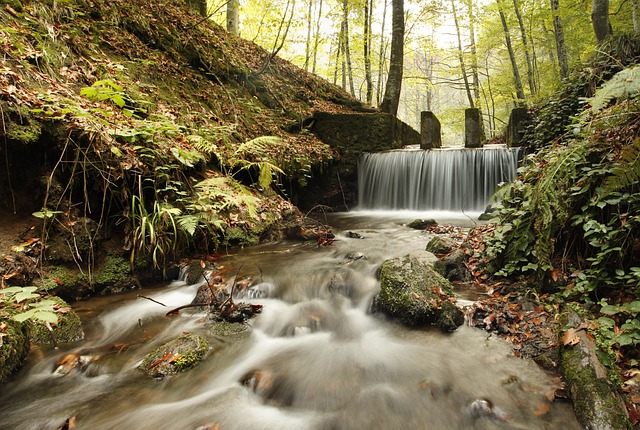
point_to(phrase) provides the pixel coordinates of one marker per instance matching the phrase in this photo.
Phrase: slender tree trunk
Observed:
(474, 58)
(338, 53)
(391, 98)
(381, 55)
(345, 44)
(600, 19)
(316, 41)
(463, 67)
(512, 56)
(523, 34)
(561, 48)
(635, 15)
(367, 50)
(307, 50)
(233, 16)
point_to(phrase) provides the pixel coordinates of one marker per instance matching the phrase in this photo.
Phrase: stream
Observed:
(313, 359)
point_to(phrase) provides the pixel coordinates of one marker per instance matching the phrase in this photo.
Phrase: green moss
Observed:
(592, 397)
(70, 282)
(409, 293)
(175, 356)
(68, 329)
(20, 126)
(14, 347)
(114, 272)
(237, 235)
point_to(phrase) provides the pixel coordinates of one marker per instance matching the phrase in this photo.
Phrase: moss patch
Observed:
(14, 347)
(69, 328)
(113, 275)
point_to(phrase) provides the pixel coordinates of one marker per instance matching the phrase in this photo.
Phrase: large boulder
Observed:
(412, 292)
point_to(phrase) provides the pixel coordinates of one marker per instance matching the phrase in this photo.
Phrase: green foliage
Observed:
(259, 153)
(624, 84)
(575, 213)
(108, 90)
(23, 303)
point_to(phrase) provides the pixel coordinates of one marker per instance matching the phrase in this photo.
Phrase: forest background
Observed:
(493, 55)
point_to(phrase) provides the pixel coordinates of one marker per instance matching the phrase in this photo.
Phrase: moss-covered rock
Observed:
(595, 403)
(421, 224)
(71, 283)
(440, 245)
(175, 356)
(113, 275)
(68, 329)
(455, 267)
(13, 348)
(412, 292)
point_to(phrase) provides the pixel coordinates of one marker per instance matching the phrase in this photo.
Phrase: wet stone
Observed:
(175, 356)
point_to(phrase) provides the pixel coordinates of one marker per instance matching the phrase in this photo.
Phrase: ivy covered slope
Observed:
(569, 226)
(143, 120)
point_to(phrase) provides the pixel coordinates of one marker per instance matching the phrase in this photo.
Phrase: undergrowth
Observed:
(570, 223)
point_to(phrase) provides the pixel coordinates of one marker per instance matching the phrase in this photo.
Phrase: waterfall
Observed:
(456, 179)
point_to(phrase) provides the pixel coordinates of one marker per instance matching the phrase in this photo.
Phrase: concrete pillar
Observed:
(518, 119)
(430, 135)
(472, 128)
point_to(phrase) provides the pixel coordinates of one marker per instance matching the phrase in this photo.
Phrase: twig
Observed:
(153, 300)
(190, 305)
(344, 199)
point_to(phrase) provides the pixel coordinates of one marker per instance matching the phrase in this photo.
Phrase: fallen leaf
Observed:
(570, 337)
(542, 408)
(158, 362)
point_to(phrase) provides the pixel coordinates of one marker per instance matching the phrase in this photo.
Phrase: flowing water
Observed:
(314, 359)
(451, 179)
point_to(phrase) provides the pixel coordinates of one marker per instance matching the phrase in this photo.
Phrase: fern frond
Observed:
(259, 146)
(627, 172)
(624, 84)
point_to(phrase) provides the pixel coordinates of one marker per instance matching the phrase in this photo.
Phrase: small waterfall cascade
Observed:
(455, 179)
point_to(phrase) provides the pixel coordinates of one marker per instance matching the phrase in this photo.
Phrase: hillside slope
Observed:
(144, 124)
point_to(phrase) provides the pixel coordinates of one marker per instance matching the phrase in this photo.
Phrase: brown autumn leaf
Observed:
(542, 408)
(158, 362)
(570, 337)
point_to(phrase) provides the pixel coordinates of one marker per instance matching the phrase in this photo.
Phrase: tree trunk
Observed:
(367, 50)
(600, 19)
(635, 15)
(316, 41)
(512, 56)
(381, 55)
(345, 44)
(561, 48)
(307, 50)
(463, 67)
(523, 34)
(391, 98)
(233, 16)
(474, 58)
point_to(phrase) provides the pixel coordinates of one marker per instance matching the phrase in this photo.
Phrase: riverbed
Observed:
(315, 358)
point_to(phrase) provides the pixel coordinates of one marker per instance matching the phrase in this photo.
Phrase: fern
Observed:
(258, 153)
(627, 172)
(624, 84)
